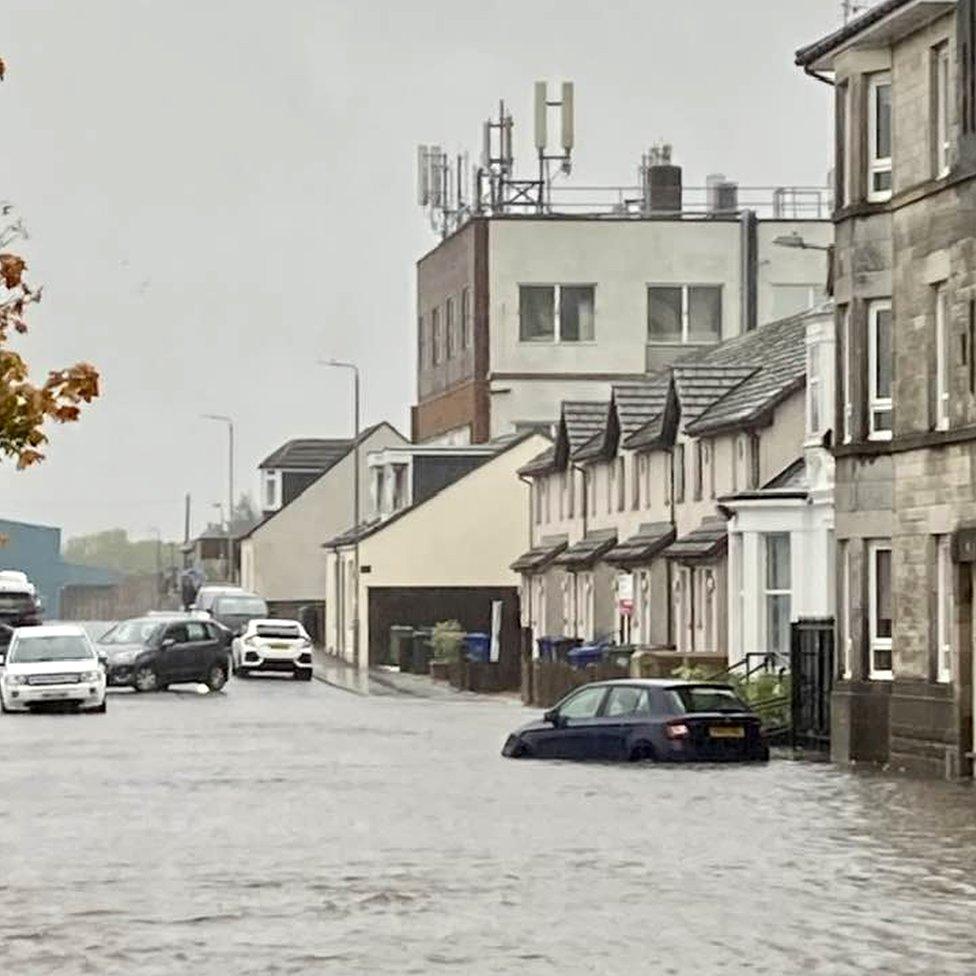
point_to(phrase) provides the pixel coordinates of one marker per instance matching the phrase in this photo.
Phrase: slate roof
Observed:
(643, 546)
(777, 352)
(541, 555)
(638, 403)
(699, 385)
(593, 448)
(708, 540)
(583, 420)
(541, 464)
(810, 53)
(349, 537)
(795, 476)
(313, 453)
(791, 483)
(589, 549)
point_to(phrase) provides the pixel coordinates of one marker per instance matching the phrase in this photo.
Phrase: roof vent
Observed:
(722, 195)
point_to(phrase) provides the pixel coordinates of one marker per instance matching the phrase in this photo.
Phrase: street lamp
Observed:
(220, 418)
(795, 240)
(355, 494)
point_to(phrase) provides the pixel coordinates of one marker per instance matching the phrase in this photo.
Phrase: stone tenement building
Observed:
(904, 281)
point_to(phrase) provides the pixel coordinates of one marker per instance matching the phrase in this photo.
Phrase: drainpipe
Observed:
(529, 483)
(586, 513)
(674, 525)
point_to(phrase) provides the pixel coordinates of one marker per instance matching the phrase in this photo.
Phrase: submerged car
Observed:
(51, 665)
(276, 646)
(150, 653)
(636, 719)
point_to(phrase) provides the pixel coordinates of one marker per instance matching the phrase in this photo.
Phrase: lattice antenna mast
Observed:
(443, 188)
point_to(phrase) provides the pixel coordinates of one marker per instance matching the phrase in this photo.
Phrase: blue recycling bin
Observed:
(580, 657)
(547, 648)
(478, 647)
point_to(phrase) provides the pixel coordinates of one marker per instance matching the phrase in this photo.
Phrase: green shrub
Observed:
(447, 640)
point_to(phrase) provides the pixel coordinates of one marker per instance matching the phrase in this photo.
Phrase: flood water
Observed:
(291, 828)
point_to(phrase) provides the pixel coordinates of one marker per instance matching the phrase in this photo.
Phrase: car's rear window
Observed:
(278, 630)
(240, 606)
(708, 698)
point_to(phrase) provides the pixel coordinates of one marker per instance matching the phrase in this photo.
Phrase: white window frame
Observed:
(847, 197)
(847, 337)
(878, 404)
(945, 609)
(877, 164)
(768, 592)
(941, 357)
(875, 642)
(556, 337)
(272, 480)
(685, 312)
(678, 463)
(844, 616)
(814, 391)
(943, 102)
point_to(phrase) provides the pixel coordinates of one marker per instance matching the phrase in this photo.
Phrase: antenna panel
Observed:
(423, 176)
(541, 110)
(568, 126)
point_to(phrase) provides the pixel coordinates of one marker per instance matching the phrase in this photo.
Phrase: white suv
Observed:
(281, 646)
(50, 664)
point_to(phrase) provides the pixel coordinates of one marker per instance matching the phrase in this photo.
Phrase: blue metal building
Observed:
(36, 551)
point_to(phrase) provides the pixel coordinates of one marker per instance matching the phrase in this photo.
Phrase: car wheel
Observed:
(216, 677)
(302, 674)
(145, 679)
(642, 752)
(3, 708)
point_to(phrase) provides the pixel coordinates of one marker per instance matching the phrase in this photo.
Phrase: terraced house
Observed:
(630, 505)
(904, 275)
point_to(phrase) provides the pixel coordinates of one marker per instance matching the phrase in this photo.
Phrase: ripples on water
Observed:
(388, 836)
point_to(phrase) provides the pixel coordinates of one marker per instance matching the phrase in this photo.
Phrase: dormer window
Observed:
(879, 136)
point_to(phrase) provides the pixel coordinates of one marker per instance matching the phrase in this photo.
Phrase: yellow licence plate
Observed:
(279, 647)
(727, 732)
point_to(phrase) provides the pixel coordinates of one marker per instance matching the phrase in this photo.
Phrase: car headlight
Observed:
(124, 657)
(91, 675)
(15, 679)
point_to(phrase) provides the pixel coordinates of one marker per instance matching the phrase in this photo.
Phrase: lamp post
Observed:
(159, 565)
(356, 505)
(220, 418)
(795, 240)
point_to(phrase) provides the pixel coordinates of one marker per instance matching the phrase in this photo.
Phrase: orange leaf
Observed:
(12, 268)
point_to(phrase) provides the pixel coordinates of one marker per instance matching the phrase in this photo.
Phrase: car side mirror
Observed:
(102, 658)
(552, 716)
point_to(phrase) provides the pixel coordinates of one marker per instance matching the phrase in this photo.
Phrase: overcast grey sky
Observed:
(221, 191)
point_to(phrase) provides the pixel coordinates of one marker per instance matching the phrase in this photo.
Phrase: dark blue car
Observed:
(634, 719)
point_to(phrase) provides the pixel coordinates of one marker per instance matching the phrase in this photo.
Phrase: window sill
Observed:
(558, 342)
(908, 442)
(881, 676)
